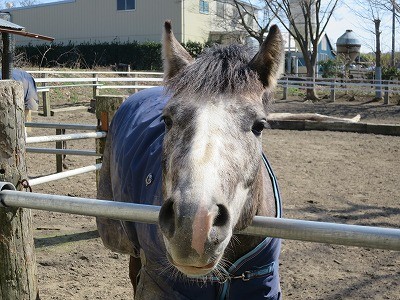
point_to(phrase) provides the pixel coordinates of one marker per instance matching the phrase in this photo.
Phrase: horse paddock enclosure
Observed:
(324, 176)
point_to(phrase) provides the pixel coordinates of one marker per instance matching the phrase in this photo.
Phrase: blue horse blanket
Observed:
(31, 98)
(137, 133)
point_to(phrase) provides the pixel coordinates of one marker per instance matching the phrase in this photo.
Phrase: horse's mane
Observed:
(218, 70)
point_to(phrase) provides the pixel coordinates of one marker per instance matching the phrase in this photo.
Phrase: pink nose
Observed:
(194, 228)
(202, 223)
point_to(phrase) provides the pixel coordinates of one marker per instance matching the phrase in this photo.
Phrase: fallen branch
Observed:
(310, 117)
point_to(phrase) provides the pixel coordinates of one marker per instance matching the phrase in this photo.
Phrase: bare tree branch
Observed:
(306, 21)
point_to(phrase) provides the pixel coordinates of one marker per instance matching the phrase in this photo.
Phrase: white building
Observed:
(96, 21)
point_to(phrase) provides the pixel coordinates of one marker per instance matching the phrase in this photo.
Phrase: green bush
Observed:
(145, 56)
(389, 73)
(330, 68)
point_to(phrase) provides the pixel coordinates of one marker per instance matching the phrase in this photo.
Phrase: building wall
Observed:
(325, 49)
(196, 25)
(99, 21)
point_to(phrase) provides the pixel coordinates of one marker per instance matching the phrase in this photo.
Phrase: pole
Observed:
(6, 65)
(18, 275)
(65, 137)
(322, 232)
(7, 53)
(333, 91)
(65, 174)
(45, 100)
(106, 107)
(392, 60)
(60, 145)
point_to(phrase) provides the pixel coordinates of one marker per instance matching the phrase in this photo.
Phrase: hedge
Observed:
(145, 56)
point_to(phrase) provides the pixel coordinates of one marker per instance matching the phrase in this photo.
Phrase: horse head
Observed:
(212, 150)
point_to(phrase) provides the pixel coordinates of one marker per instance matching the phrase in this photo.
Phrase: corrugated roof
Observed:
(9, 25)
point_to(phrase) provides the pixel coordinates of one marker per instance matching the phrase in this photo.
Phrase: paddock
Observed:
(324, 176)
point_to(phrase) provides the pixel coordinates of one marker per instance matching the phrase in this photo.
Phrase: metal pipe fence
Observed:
(322, 232)
(63, 151)
(65, 174)
(60, 138)
(66, 137)
(61, 126)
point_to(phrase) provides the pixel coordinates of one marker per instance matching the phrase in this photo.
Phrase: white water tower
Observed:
(348, 46)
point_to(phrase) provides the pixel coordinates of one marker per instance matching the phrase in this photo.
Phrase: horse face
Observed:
(211, 159)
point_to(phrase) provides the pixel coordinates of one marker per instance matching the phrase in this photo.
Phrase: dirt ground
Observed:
(324, 176)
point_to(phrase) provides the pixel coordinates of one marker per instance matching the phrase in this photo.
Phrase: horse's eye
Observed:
(258, 127)
(167, 121)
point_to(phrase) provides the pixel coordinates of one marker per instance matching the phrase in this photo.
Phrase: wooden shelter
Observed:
(7, 28)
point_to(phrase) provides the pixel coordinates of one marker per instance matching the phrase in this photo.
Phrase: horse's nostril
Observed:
(166, 218)
(223, 216)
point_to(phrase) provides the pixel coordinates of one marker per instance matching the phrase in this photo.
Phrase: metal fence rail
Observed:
(349, 235)
(65, 174)
(61, 126)
(65, 137)
(63, 151)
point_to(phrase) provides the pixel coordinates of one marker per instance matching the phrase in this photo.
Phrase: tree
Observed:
(262, 26)
(243, 16)
(27, 2)
(5, 3)
(305, 20)
(372, 11)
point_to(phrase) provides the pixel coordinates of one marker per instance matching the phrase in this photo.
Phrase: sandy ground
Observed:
(325, 176)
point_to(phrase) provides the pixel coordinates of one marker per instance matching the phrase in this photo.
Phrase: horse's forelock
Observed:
(218, 70)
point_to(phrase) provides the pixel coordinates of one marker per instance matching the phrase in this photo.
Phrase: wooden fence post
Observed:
(95, 89)
(386, 94)
(333, 91)
(106, 106)
(45, 100)
(18, 275)
(285, 89)
(60, 145)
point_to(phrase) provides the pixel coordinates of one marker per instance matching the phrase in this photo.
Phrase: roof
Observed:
(9, 27)
(349, 38)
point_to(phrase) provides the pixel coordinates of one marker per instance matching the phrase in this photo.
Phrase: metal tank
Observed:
(348, 46)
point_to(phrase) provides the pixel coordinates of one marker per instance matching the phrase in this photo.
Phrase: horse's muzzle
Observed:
(195, 236)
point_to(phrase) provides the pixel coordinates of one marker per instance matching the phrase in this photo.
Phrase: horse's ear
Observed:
(175, 57)
(268, 62)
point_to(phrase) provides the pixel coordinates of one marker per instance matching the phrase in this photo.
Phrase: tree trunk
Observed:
(18, 279)
(378, 66)
(311, 93)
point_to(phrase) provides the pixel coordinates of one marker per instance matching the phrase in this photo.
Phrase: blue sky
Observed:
(344, 19)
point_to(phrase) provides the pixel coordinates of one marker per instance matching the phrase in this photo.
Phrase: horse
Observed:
(31, 98)
(194, 147)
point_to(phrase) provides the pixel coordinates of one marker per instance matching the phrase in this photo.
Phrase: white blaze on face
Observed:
(207, 147)
(205, 159)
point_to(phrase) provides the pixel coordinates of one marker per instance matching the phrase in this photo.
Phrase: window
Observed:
(220, 9)
(324, 45)
(126, 4)
(203, 7)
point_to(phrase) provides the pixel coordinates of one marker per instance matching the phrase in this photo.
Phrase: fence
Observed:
(322, 232)
(96, 80)
(60, 151)
(135, 81)
(331, 86)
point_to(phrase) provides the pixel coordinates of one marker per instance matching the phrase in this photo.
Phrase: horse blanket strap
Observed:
(137, 134)
(248, 275)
